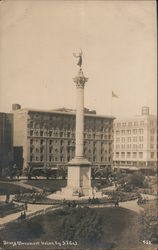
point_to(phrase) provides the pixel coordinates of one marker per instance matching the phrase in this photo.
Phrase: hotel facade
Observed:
(47, 138)
(135, 141)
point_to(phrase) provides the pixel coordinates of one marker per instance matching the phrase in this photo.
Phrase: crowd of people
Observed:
(31, 197)
(141, 200)
(93, 200)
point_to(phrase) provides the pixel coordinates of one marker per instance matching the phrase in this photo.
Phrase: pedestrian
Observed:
(89, 200)
(64, 201)
(93, 200)
(24, 215)
(73, 204)
(21, 216)
(116, 203)
(7, 198)
(26, 206)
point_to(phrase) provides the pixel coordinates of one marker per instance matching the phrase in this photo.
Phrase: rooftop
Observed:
(64, 111)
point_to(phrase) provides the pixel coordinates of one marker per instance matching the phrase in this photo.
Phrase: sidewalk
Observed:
(31, 209)
(149, 196)
(131, 205)
(110, 188)
(3, 197)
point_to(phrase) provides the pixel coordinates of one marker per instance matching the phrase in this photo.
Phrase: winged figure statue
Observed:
(79, 56)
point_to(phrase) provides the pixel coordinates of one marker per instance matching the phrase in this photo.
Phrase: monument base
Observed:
(69, 194)
(79, 177)
(78, 182)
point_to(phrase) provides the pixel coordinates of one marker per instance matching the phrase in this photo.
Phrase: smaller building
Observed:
(6, 140)
(135, 141)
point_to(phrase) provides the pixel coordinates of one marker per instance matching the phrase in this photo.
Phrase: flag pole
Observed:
(111, 102)
(112, 95)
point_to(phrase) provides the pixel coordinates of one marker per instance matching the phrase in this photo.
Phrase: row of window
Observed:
(136, 146)
(132, 155)
(69, 143)
(129, 146)
(50, 125)
(152, 138)
(88, 135)
(50, 116)
(129, 131)
(129, 154)
(66, 118)
(71, 127)
(129, 139)
(69, 134)
(41, 141)
(94, 136)
(64, 124)
(129, 124)
(61, 158)
(50, 133)
(61, 150)
(66, 150)
(152, 131)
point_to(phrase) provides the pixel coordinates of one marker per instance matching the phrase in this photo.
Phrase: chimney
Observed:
(16, 106)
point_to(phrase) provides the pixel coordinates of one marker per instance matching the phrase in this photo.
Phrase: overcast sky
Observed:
(118, 40)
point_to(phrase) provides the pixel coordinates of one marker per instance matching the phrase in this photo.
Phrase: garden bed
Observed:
(12, 188)
(49, 185)
(90, 228)
(121, 196)
(54, 185)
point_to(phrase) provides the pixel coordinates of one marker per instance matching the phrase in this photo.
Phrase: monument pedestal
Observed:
(79, 177)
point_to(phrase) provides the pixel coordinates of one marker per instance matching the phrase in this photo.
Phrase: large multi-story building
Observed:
(47, 138)
(6, 140)
(135, 141)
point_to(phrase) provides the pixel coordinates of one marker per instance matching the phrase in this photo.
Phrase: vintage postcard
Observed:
(78, 125)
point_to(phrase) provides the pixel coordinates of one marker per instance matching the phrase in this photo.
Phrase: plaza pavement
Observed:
(131, 205)
(32, 208)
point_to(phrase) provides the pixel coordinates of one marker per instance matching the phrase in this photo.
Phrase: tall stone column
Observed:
(80, 81)
(79, 168)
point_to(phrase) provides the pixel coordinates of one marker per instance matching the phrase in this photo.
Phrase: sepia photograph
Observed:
(78, 125)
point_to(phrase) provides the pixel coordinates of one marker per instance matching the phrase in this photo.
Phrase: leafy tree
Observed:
(12, 170)
(136, 179)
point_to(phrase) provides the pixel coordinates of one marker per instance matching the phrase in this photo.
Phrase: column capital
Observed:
(80, 79)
